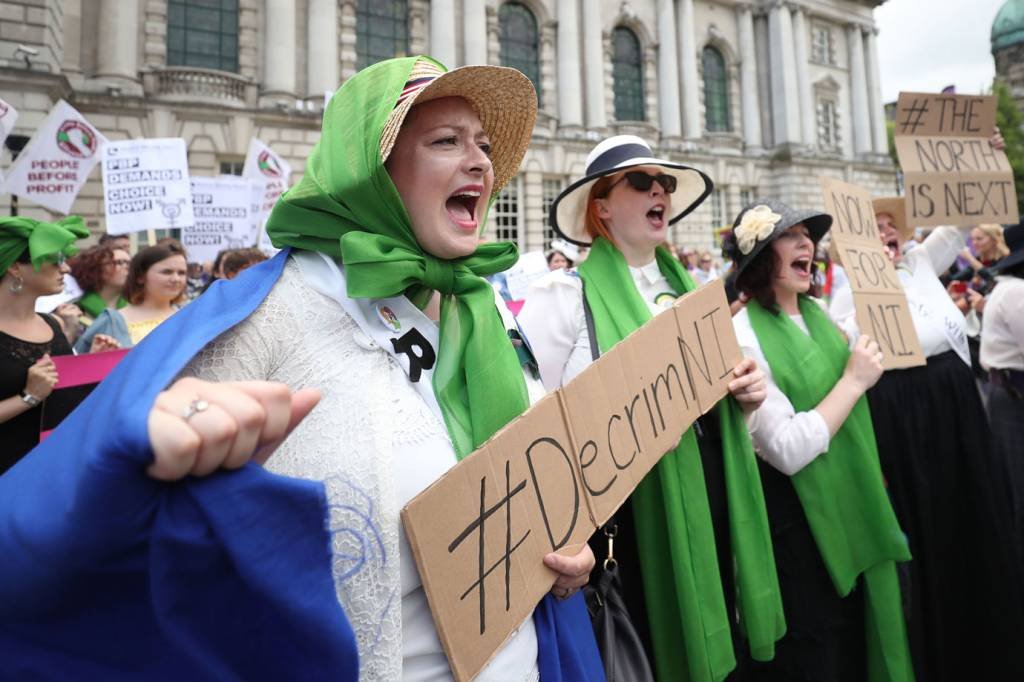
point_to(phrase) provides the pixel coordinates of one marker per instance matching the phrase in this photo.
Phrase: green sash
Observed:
(682, 582)
(842, 491)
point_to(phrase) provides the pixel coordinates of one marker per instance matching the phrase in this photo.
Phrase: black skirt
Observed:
(965, 609)
(1006, 415)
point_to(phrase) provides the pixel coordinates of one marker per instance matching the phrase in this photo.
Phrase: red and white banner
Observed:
(8, 117)
(57, 160)
(264, 166)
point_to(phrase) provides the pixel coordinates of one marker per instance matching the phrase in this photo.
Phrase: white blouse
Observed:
(553, 321)
(786, 439)
(939, 323)
(1002, 326)
(375, 444)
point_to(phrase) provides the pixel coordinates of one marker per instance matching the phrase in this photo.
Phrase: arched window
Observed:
(203, 33)
(627, 75)
(382, 30)
(716, 92)
(519, 41)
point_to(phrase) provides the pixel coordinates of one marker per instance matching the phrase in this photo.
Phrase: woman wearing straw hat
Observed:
(835, 534)
(949, 491)
(381, 234)
(675, 550)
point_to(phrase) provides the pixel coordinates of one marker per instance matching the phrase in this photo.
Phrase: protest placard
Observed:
(952, 174)
(57, 160)
(78, 376)
(530, 267)
(223, 217)
(550, 478)
(881, 305)
(272, 173)
(8, 117)
(146, 185)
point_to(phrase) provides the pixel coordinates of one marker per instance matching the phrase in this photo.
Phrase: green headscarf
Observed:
(347, 207)
(44, 241)
(682, 582)
(842, 491)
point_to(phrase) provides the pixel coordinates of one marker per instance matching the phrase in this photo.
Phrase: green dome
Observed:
(1008, 27)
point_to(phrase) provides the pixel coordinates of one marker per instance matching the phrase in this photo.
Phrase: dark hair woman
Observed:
(835, 534)
(154, 289)
(32, 264)
(101, 272)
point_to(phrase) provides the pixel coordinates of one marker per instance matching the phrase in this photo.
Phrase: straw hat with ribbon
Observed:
(614, 155)
(895, 207)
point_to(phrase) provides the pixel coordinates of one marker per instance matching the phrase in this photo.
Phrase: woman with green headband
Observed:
(836, 537)
(693, 548)
(32, 257)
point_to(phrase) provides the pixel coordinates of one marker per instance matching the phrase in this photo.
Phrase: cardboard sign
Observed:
(57, 160)
(952, 174)
(881, 305)
(146, 185)
(223, 217)
(550, 478)
(272, 173)
(8, 117)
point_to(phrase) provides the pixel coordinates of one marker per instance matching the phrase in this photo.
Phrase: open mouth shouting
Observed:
(801, 266)
(656, 216)
(462, 204)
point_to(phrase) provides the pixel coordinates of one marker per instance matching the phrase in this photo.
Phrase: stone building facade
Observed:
(1007, 39)
(766, 96)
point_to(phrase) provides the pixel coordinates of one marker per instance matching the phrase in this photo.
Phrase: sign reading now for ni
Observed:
(879, 300)
(952, 174)
(555, 474)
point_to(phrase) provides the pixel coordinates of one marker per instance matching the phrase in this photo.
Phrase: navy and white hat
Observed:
(612, 156)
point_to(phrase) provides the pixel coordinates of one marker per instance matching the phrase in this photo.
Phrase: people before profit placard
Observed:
(674, 549)
(1002, 356)
(835, 534)
(381, 252)
(947, 486)
(32, 264)
(154, 289)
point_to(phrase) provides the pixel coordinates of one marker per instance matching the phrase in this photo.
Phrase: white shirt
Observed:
(1002, 326)
(939, 323)
(555, 325)
(786, 439)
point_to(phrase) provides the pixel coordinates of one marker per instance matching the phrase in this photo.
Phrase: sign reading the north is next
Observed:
(952, 174)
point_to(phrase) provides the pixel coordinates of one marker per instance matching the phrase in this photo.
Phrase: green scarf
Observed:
(842, 491)
(92, 304)
(683, 586)
(44, 241)
(347, 207)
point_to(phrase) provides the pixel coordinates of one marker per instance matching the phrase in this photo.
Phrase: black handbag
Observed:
(622, 651)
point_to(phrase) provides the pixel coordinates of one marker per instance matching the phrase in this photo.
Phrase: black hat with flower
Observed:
(762, 221)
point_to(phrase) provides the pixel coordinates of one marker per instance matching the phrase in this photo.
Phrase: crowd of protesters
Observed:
(825, 520)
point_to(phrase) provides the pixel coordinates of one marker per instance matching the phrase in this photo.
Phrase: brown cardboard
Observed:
(561, 478)
(885, 317)
(879, 301)
(952, 115)
(952, 175)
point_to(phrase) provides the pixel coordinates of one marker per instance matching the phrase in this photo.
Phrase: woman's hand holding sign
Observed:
(748, 388)
(573, 571)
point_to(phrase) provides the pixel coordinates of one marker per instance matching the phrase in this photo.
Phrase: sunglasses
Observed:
(642, 182)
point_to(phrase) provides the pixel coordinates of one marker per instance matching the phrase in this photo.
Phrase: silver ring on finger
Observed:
(195, 407)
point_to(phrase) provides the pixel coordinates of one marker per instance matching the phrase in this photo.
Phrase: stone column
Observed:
(442, 32)
(859, 92)
(593, 66)
(877, 107)
(748, 78)
(668, 70)
(279, 48)
(689, 81)
(570, 87)
(474, 32)
(785, 102)
(322, 61)
(802, 54)
(117, 47)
